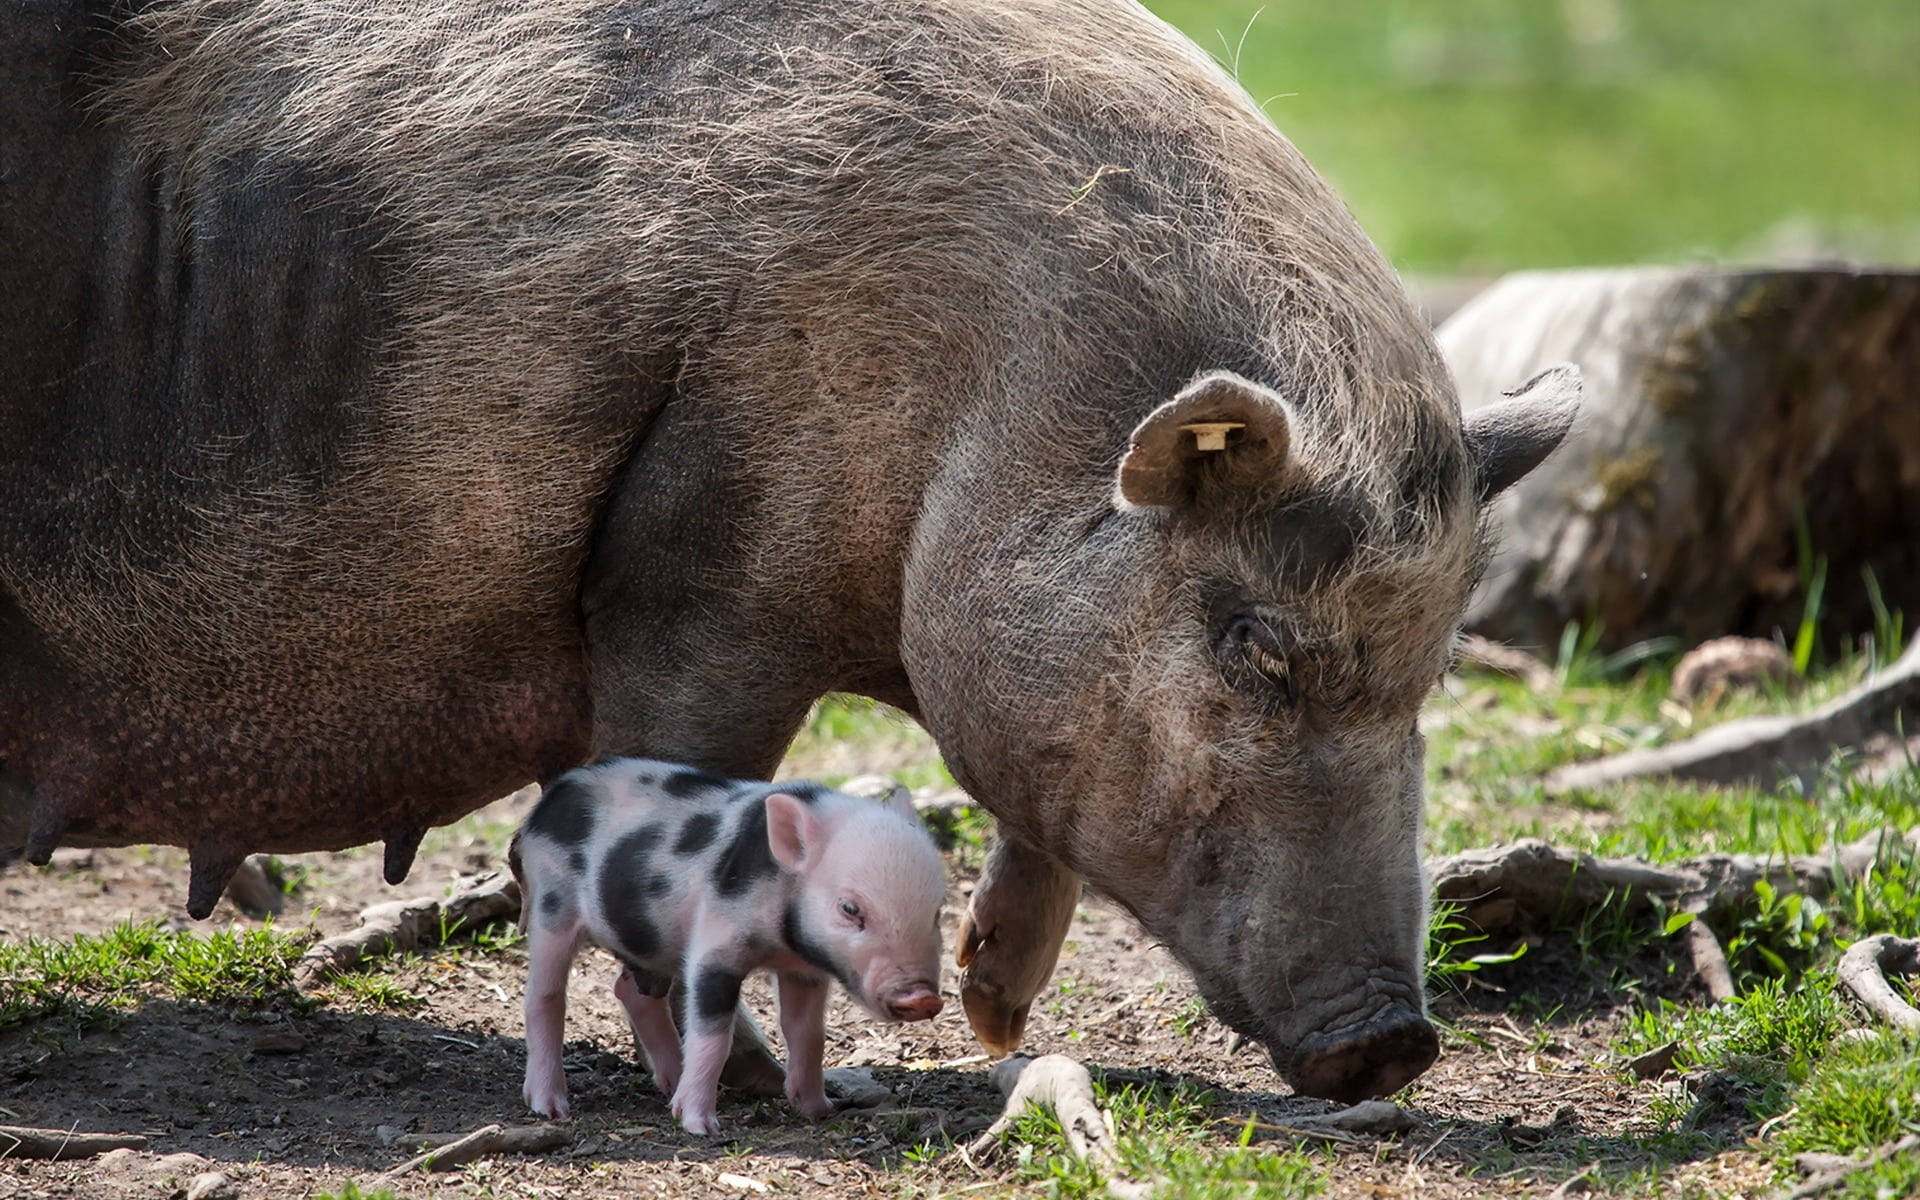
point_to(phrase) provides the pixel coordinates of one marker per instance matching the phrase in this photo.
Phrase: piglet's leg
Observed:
(550, 954)
(803, 1023)
(652, 1021)
(713, 992)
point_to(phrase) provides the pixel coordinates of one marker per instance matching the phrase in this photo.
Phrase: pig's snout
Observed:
(1373, 1059)
(914, 1002)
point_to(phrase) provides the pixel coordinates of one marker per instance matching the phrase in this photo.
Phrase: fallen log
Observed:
(1863, 971)
(19, 1141)
(1763, 751)
(1727, 415)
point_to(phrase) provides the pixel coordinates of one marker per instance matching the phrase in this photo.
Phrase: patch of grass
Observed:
(1485, 135)
(1765, 1040)
(374, 990)
(1173, 1137)
(352, 1192)
(852, 735)
(1858, 1096)
(92, 976)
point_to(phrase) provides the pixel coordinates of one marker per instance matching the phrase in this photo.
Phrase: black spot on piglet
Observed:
(565, 813)
(714, 995)
(685, 785)
(748, 857)
(623, 895)
(697, 833)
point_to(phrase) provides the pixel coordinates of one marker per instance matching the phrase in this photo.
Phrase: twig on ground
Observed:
(1765, 750)
(1490, 655)
(484, 1142)
(18, 1141)
(1060, 1083)
(1367, 1119)
(1830, 1173)
(398, 926)
(1863, 969)
(1709, 960)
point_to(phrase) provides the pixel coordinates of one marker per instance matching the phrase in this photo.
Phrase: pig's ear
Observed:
(1221, 431)
(900, 800)
(1510, 438)
(791, 830)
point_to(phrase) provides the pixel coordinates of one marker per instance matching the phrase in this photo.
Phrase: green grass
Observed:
(1484, 135)
(94, 977)
(1174, 1137)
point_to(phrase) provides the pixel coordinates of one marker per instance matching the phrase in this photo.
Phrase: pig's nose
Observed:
(913, 1004)
(1377, 1058)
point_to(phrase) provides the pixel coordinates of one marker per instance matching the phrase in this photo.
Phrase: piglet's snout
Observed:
(914, 1002)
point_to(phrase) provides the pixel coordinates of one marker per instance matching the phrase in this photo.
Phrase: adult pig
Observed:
(404, 401)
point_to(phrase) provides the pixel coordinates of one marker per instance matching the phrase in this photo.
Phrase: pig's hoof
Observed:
(548, 1101)
(815, 1107)
(698, 1123)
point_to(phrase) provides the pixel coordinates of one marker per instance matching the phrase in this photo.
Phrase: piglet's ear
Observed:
(900, 800)
(1221, 431)
(791, 830)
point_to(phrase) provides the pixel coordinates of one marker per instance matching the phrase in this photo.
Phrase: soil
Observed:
(1523, 1098)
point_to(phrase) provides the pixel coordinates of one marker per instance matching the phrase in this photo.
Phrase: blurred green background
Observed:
(1481, 135)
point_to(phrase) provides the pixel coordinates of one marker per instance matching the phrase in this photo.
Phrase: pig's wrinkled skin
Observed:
(400, 407)
(682, 874)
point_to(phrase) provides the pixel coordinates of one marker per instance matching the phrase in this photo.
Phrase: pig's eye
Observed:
(1252, 645)
(851, 912)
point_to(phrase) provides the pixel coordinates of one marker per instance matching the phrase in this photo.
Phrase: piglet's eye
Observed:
(851, 910)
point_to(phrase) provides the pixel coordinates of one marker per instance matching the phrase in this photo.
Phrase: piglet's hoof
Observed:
(699, 1121)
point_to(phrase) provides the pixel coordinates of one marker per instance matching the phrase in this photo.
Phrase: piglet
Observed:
(685, 875)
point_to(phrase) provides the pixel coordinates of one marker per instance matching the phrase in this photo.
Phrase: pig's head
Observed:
(1197, 684)
(866, 906)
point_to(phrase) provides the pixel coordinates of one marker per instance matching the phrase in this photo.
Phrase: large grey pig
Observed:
(403, 401)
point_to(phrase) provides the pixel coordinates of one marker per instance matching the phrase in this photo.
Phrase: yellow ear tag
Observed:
(1212, 435)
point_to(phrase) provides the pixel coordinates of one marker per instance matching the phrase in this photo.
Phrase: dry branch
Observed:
(1863, 972)
(1529, 882)
(17, 1141)
(402, 925)
(1710, 960)
(1474, 650)
(1060, 1083)
(1765, 750)
(1367, 1119)
(1831, 1173)
(484, 1142)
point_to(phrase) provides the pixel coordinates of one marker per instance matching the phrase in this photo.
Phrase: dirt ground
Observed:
(1519, 1102)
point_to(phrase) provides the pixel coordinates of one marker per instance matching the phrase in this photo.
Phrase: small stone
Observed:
(212, 1185)
(1654, 1063)
(282, 1042)
(387, 1135)
(855, 1087)
(1713, 668)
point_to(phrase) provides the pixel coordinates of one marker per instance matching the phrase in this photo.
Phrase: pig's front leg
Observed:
(550, 952)
(1010, 938)
(803, 1024)
(652, 1020)
(713, 992)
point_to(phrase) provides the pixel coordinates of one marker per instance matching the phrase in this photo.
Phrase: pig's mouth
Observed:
(1375, 1058)
(1363, 1055)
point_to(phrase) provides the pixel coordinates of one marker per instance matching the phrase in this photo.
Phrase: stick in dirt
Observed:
(18, 1141)
(1863, 971)
(485, 1142)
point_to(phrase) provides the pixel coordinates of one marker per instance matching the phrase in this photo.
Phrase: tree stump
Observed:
(1722, 410)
